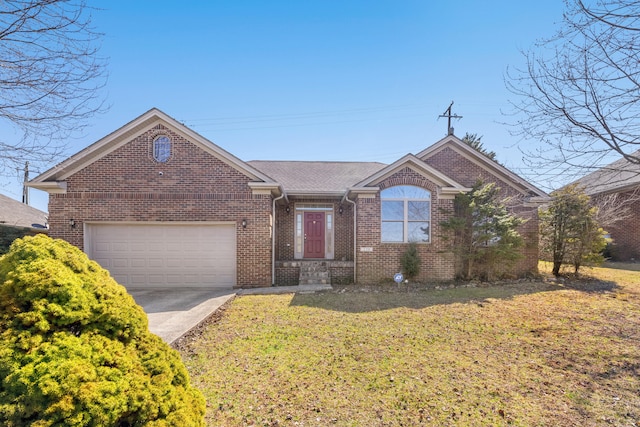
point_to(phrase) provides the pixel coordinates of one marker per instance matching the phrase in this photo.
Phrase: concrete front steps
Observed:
(314, 273)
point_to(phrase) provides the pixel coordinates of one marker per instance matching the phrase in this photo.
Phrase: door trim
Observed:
(329, 228)
(314, 230)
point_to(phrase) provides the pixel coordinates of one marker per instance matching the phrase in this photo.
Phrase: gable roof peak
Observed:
(482, 161)
(125, 134)
(411, 160)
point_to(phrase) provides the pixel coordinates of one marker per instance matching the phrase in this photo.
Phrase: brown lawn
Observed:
(524, 354)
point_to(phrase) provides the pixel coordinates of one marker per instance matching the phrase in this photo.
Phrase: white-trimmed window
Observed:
(162, 149)
(406, 214)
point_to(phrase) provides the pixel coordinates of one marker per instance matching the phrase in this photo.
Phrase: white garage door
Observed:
(161, 255)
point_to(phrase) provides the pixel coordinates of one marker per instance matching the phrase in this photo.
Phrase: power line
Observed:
(297, 116)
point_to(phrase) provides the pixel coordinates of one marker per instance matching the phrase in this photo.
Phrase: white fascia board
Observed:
(536, 201)
(51, 187)
(452, 192)
(96, 150)
(315, 194)
(363, 190)
(479, 159)
(267, 188)
(142, 124)
(417, 165)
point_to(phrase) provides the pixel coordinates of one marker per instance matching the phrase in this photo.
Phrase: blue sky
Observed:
(317, 80)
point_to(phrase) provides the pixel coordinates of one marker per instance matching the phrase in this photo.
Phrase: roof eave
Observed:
(121, 136)
(51, 187)
(315, 194)
(483, 160)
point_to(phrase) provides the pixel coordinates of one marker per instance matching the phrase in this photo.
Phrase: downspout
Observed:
(273, 239)
(355, 249)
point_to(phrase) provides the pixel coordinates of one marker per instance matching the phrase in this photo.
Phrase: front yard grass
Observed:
(523, 354)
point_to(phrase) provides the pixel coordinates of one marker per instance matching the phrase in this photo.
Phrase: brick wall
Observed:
(129, 185)
(383, 261)
(467, 173)
(287, 273)
(626, 232)
(464, 171)
(285, 228)
(437, 260)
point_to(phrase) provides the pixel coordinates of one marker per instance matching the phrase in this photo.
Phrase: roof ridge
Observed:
(316, 161)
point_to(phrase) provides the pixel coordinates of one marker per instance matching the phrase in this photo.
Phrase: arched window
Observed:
(406, 214)
(162, 149)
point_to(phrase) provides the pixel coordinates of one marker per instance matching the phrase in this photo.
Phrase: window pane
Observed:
(298, 235)
(393, 211)
(419, 211)
(392, 231)
(162, 149)
(405, 192)
(418, 231)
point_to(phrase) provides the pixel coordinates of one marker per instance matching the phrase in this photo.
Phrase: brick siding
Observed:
(126, 185)
(467, 173)
(287, 273)
(384, 260)
(626, 233)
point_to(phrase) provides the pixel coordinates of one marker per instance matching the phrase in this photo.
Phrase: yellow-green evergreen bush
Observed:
(75, 349)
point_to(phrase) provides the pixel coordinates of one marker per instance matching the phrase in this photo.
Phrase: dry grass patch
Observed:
(526, 354)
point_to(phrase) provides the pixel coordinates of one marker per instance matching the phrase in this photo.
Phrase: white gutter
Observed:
(355, 249)
(273, 240)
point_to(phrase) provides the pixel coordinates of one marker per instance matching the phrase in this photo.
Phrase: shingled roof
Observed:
(17, 214)
(299, 177)
(620, 175)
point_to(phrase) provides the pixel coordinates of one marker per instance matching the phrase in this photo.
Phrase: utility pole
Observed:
(25, 189)
(449, 116)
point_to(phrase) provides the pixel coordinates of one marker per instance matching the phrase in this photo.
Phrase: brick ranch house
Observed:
(159, 205)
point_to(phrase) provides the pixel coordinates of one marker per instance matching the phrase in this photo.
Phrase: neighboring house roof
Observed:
(620, 175)
(17, 214)
(303, 178)
(53, 179)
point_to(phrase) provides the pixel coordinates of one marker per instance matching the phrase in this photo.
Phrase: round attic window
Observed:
(162, 148)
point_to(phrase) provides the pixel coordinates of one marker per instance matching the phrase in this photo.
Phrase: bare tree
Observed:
(614, 208)
(579, 93)
(50, 77)
(569, 230)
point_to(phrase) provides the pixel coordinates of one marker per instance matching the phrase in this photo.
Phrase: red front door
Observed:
(314, 234)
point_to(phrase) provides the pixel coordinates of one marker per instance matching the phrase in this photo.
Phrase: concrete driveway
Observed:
(173, 312)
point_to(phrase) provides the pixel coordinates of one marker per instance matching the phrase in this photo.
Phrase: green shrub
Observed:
(410, 261)
(8, 234)
(75, 349)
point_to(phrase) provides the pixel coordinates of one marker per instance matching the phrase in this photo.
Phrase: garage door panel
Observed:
(120, 262)
(175, 262)
(102, 247)
(137, 246)
(136, 279)
(193, 263)
(138, 262)
(162, 255)
(119, 278)
(155, 278)
(155, 262)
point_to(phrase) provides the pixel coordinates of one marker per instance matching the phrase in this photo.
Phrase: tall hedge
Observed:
(75, 349)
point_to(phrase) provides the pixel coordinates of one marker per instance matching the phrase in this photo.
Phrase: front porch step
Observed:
(314, 273)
